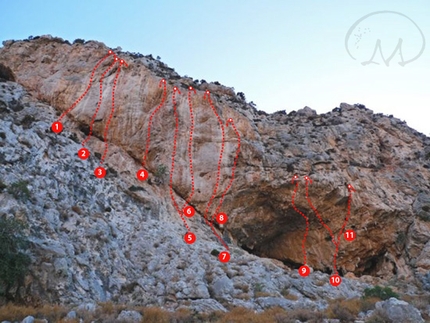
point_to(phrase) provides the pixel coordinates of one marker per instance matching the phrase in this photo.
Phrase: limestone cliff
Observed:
(127, 232)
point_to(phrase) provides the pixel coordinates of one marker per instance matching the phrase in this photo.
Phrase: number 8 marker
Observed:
(221, 218)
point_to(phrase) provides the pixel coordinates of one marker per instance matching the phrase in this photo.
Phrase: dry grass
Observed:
(320, 283)
(241, 315)
(11, 312)
(108, 312)
(346, 310)
(286, 293)
(420, 302)
(182, 315)
(262, 294)
(155, 315)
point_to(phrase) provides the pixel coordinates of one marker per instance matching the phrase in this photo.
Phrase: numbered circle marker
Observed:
(190, 238)
(100, 172)
(224, 256)
(189, 211)
(335, 280)
(142, 174)
(221, 218)
(304, 271)
(349, 235)
(83, 153)
(57, 127)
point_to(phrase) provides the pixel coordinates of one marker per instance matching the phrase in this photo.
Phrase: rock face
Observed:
(122, 239)
(398, 311)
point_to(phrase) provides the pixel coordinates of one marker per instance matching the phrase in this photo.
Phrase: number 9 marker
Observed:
(304, 271)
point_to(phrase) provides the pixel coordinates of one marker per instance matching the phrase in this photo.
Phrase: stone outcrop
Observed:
(124, 236)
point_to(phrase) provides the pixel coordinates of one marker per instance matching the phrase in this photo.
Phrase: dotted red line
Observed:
(87, 89)
(99, 103)
(190, 146)
(207, 95)
(236, 158)
(175, 111)
(148, 136)
(229, 185)
(307, 222)
(316, 212)
(342, 230)
(112, 111)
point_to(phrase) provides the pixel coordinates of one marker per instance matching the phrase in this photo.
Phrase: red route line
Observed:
(295, 180)
(350, 190)
(175, 111)
(207, 95)
(190, 146)
(148, 136)
(88, 87)
(99, 103)
(232, 170)
(336, 243)
(112, 111)
(315, 210)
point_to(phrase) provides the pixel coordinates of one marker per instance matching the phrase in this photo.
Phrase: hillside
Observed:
(122, 239)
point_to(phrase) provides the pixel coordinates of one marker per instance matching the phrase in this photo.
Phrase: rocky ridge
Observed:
(122, 240)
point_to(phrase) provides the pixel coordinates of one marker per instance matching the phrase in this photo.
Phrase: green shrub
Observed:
(79, 41)
(2, 186)
(14, 262)
(383, 293)
(161, 172)
(19, 190)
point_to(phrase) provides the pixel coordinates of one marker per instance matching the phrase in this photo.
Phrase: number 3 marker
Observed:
(100, 172)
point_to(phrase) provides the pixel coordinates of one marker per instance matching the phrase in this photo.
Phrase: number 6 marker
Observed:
(189, 211)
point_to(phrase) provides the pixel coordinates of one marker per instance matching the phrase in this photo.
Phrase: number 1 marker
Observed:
(57, 127)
